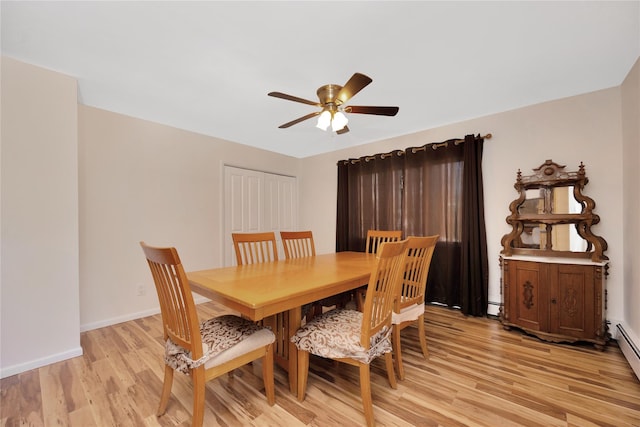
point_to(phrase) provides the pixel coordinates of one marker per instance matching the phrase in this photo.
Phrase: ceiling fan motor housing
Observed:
(328, 94)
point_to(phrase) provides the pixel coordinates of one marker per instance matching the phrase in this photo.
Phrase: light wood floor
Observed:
(477, 375)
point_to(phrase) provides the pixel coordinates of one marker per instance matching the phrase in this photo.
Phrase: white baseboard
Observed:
(120, 319)
(630, 347)
(131, 316)
(59, 357)
(493, 308)
(38, 363)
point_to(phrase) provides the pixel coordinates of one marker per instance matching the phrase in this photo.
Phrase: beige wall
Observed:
(631, 190)
(583, 128)
(145, 181)
(39, 307)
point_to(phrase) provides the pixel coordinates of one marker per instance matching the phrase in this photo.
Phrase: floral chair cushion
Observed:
(336, 335)
(223, 338)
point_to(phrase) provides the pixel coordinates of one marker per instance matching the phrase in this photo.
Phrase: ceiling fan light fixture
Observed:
(324, 120)
(339, 121)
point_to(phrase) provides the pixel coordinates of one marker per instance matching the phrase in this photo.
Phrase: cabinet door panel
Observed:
(529, 295)
(572, 300)
(558, 302)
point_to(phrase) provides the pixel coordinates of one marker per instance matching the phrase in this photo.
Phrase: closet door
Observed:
(257, 201)
(280, 212)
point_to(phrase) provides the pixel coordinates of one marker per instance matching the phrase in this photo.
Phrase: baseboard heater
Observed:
(629, 349)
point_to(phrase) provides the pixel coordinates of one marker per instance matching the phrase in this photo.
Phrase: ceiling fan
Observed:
(332, 100)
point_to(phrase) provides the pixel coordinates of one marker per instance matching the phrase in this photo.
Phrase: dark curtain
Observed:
(342, 214)
(369, 197)
(434, 189)
(433, 199)
(475, 266)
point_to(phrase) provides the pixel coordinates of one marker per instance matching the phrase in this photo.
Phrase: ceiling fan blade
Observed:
(356, 83)
(300, 119)
(343, 130)
(294, 98)
(379, 111)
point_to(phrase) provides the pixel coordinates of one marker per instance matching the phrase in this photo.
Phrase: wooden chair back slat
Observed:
(179, 316)
(298, 244)
(377, 237)
(382, 288)
(416, 272)
(253, 248)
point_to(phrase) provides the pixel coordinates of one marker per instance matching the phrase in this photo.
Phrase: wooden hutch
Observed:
(553, 267)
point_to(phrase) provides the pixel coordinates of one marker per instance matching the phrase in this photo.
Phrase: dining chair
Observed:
(256, 248)
(409, 303)
(357, 337)
(374, 239)
(299, 244)
(202, 350)
(252, 248)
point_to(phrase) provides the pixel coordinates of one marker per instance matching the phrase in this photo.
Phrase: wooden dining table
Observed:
(274, 292)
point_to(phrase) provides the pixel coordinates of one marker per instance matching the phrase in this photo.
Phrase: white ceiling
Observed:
(207, 66)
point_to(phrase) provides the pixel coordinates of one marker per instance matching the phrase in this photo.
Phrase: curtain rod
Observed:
(433, 145)
(437, 145)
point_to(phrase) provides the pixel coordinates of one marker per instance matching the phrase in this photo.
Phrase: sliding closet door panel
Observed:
(257, 201)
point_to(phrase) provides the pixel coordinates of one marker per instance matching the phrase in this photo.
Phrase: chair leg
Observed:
(361, 293)
(397, 350)
(422, 336)
(365, 393)
(303, 373)
(314, 310)
(197, 376)
(166, 389)
(317, 310)
(388, 360)
(267, 375)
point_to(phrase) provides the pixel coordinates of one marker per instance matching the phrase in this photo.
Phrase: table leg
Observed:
(295, 319)
(279, 325)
